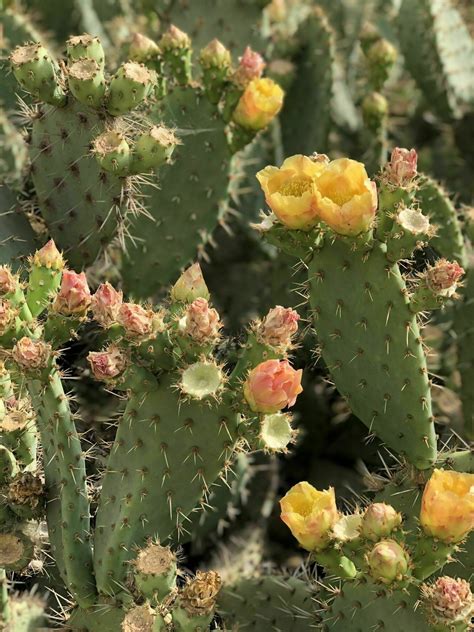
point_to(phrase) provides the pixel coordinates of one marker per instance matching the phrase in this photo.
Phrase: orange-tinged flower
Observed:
(447, 506)
(310, 515)
(346, 198)
(272, 385)
(290, 191)
(259, 104)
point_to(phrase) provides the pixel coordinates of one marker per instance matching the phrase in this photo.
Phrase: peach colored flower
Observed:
(279, 326)
(8, 281)
(202, 321)
(402, 168)
(290, 190)
(259, 104)
(310, 515)
(106, 303)
(31, 354)
(346, 200)
(135, 319)
(107, 365)
(272, 385)
(7, 316)
(442, 278)
(447, 506)
(74, 296)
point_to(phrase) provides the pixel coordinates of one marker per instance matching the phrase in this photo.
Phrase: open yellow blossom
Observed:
(310, 515)
(346, 198)
(447, 506)
(290, 191)
(259, 104)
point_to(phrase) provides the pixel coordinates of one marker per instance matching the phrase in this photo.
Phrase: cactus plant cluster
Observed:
(294, 453)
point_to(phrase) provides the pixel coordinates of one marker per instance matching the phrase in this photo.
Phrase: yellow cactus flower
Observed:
(310, 515)
(259, 104)
(447, 506)
(290, 191)
(347, 199)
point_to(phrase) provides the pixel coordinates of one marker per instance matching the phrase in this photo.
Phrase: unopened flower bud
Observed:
(190, 285)
(272, 385)
(49, 257)
(447, 506)
(105, 305)
(261, 101)
(279, 326)
(401, 170)
(374, 110)
(442, 278)
(136, 320)
(198, 596)
(175, 38)
(251, 66)
(215, 55)
(8, 281)
(142, 48)
(448, 601)
(310, 515)
(388, 561)
(74, 297)
(202, 322)
(381, 58)
(31, 354)
(7, 316)
(379, 521)
(107, 365)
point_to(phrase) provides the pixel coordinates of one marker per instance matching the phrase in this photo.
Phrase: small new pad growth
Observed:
(201, 380)
(112, 152)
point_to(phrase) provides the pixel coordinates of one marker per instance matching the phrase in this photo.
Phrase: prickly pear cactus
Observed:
(17, 238)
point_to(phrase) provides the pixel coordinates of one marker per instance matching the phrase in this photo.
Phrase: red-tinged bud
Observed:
(272, 385)
(379, 521)
(105, 305)
(202, 322)
(49, 257)
(279, 326)
(388, 562)
(175, 38)
(8, 281)
(107, 365)
(7, 316)
(31, 354)
(251, 66)
(442, 278)
(402, 168)
(136, 320)
(74, 297)
(448, 601)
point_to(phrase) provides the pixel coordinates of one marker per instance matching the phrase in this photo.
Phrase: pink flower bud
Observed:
(8, 282)
(443, 277)
(251, 66)
(279, 326)
(272, 385)
(106, 303)
(215, 54)
(388, 561)
(202, 321)
(402, 168)
(49, 257)
(74, 296)
(135, 319)
(448, 601)
(107, 365)
(379, 521)
(175, 38)
(7, 316)
(31, 354)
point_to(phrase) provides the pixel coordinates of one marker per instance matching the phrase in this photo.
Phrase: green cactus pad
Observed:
(371, 344)
(190, 199)
(464, 326)
(268, 603)
(439, 53)
(360, 607)
(17, 239)
(166, 455)
(81, 204)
